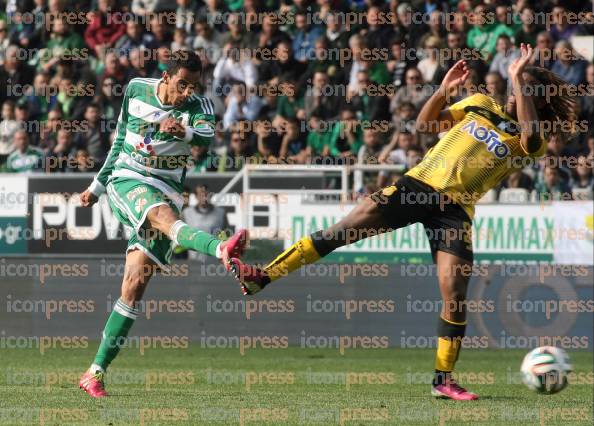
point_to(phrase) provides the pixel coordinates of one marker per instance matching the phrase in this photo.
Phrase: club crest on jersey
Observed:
(488, 137)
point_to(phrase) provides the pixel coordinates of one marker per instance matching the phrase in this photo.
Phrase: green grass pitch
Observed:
(281, 387)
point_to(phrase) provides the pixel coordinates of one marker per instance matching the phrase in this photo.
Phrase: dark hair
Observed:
(184, 59)
(560, 108)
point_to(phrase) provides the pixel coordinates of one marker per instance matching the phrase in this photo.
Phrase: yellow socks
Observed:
(299, 254)
(449, 342)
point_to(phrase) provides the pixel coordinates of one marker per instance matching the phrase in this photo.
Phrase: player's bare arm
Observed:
(530, 137)
(432, 117)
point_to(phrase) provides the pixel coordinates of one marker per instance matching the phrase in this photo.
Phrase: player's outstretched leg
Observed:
(453, 274)
(363, 221)
(164, 219)
(138, 271)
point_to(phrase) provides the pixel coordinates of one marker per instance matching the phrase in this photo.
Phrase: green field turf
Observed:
(287, 387)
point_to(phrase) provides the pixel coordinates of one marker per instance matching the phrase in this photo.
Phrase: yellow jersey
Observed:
(481, 150)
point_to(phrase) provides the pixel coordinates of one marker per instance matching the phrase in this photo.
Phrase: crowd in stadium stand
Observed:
(324, 82)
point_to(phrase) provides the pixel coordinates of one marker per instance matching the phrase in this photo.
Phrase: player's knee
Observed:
(133, 286)
(454, 288)
(161, 218)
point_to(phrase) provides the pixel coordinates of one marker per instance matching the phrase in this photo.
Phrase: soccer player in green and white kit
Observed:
(143, 175)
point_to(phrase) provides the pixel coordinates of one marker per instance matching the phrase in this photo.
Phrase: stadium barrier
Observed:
(40, 216)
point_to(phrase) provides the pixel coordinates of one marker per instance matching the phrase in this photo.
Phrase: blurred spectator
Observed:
(398, 63)
(372, 146)
(552, 187)
(346, 138)
(506, 54)
(24, 158)
(543, 55)
(408, 30)
(304, 37)
(317, 140)
(336, 34)
(71, 100)
(237, 34)
(484, 34)
(569, 66)
(528, 30)
(238, 153)
(4, 40)
(147, 7)
(396, 152)
(205, 217)
(271, 36)
(378, 33)
(107, 101)
(496, 87)
(241, 106)
(429, 64)
(83, 163)
(269, 142)
(185, 14)
(289, 105)
(294, 144)
(15, 74)
(233, 66)
(62, 43)
(414, 91)
(49, 129)
(94, 139)
(583, 177)
(436, 28)
(202, 160)
(369, 103)
(283, 66)
(62, 157)
(321, 98)
(134, 38)
(105, 28)
(8, 128)
(113, 69)
(40, 98)
(208, 39)
(404, 117)
(518, 179)
(180, 41)
(561, 28)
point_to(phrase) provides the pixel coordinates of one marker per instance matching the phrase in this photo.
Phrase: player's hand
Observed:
(87, 198)
(455, 78)
(516, 68)
(173, 127)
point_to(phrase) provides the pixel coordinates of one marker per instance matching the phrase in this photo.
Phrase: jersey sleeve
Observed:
(458, 109)
(201, 128)
(97, 187)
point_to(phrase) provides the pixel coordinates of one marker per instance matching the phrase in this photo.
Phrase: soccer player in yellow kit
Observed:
(484, 143)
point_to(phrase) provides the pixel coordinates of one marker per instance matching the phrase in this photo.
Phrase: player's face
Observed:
(181, 85)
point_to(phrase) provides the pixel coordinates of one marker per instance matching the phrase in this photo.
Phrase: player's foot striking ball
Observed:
(143, 176)
(485, 142)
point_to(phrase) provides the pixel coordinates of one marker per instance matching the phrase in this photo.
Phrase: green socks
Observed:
(114, 335)
(193, 239)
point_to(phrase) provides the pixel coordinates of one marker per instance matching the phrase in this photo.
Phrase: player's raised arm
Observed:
(433, 118)
(97, 187)
(530, 137)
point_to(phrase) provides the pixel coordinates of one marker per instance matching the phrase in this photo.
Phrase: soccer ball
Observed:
(545, 369)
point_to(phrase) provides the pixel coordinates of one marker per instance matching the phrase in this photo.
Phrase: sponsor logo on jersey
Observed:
(489, 137)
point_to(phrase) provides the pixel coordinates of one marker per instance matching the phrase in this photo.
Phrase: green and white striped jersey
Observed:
(23, 162)
(140, 151)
